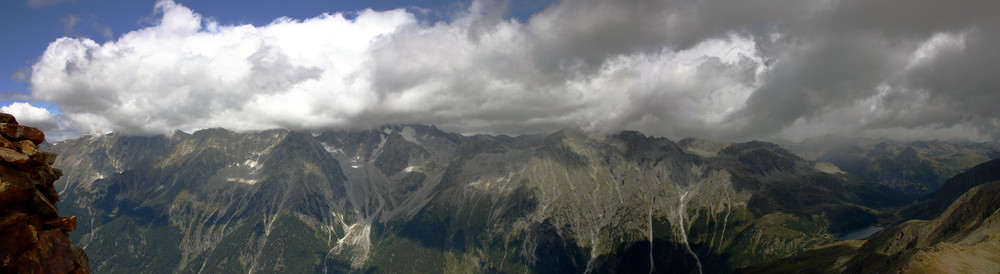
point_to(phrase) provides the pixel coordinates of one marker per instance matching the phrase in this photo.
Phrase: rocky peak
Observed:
(35, 238)
(762, 158)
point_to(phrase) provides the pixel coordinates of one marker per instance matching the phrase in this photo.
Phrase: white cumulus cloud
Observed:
(52, 124)
(27, 114)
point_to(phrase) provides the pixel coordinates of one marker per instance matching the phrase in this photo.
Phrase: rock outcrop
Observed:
(33, 237)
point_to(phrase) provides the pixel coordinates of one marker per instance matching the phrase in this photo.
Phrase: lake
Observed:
(860, 234)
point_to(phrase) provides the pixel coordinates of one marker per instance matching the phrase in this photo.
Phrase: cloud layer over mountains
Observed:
(713, 69)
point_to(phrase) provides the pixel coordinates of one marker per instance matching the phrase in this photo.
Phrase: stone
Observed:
(43, 206)
(4, 143)
(15, 186)
(51, 193)
(15, 158)
(53, 253)
(50, 158)
(67, 224)
(18, 236)
(19, 132)
(7, 118)
(45, 179)
(82, 261)
(31, 150)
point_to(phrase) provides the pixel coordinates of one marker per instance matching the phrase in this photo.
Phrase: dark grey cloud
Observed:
(818, 77)
(953, 88)
(851, 49)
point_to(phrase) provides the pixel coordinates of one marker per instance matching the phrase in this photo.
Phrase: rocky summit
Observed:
(34, 238)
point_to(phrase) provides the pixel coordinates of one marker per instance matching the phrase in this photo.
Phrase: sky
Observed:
(722, 70)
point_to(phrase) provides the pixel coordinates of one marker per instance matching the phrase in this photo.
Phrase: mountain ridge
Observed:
(355, 199)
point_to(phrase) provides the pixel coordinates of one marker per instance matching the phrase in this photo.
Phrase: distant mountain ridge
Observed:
(413, 198)
(915, 168)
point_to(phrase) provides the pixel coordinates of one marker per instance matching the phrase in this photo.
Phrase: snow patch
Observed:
(828, 167)
(251, 164)
(409, 134)
(243, 181)
(488, 183)
(332, 149)
(413, 169)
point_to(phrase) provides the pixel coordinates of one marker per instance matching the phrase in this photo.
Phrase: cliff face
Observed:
(33, 237)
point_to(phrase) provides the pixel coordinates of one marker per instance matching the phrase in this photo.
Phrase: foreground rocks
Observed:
(33, 237)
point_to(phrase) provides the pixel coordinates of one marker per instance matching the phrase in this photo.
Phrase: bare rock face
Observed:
(33, 237)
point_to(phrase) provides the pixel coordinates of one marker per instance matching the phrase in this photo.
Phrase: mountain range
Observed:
(916, 168)
(413, 198)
